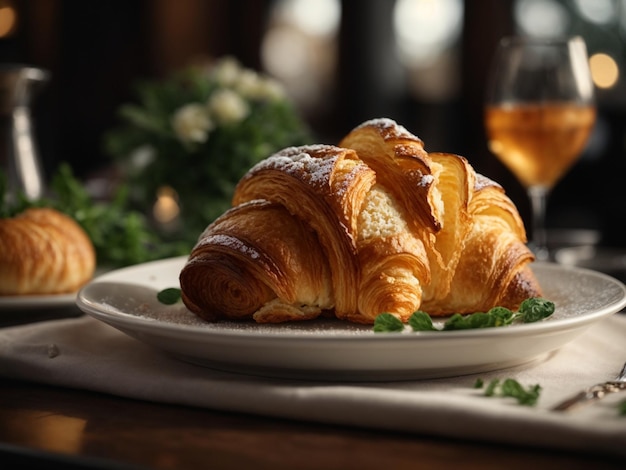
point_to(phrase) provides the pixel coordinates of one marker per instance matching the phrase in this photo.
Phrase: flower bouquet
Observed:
(192, 137)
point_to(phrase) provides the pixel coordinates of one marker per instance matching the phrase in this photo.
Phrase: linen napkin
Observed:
(86, 354)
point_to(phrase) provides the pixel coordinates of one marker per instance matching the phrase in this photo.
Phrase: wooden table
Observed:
(60, 428)
(50, 427)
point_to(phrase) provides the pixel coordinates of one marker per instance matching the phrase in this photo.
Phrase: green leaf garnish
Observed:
(386, 322)
(531, 310)
(475, 320)
(526, 396)
(501, 316)
(491, 388)
(621, 408)
(535, 309)
(421, 321)
(169, 296)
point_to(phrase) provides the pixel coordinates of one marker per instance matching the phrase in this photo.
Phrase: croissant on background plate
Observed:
(44, 252)
(375, 224)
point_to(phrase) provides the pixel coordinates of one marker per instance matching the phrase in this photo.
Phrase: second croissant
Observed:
(374, 224)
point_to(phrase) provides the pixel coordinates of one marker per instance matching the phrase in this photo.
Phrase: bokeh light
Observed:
(541, 18)
(425, 28)
(299, 47)
(315, 17)
(604, 70)
(596, 11)
(8, 19)
(166, 208)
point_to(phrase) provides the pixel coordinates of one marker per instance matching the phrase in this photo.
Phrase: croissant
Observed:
(43, 251)
(374, 224)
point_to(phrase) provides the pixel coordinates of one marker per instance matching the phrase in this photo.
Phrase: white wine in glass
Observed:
(539, 114)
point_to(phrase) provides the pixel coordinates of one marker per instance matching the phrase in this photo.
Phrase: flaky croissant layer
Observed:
(374, 224)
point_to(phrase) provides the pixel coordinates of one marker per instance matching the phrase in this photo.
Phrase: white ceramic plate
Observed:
(334, 350)
(36, 302)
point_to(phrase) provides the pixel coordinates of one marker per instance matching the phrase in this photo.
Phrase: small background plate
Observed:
(36, 302)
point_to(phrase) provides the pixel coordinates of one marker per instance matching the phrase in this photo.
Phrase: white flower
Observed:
(227, 71)
(228, 107)
(142, 156)
(271, 89)
(248, 83)
(256, 87)
(192, 123)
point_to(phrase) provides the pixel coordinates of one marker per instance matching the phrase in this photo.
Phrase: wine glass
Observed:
(539, 114)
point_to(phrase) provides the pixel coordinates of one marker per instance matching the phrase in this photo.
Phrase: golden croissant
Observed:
(374, 224)
(43, 251)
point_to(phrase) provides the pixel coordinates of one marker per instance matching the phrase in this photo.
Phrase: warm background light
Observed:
(166, 208)
(604, 70)
(8, 20)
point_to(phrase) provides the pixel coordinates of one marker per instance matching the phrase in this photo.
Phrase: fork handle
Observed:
(591, 394)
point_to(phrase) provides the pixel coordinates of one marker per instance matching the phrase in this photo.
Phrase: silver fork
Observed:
(595, 392)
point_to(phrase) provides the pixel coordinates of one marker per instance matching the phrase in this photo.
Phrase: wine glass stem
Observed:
(538, 199)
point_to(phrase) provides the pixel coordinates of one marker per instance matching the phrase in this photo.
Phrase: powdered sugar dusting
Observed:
(388, 127)
(482, 182)
(178, 315)
(423, 180)
(314, 163)
(426, 180)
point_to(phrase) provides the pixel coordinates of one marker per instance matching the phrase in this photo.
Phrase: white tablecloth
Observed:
(86, 354)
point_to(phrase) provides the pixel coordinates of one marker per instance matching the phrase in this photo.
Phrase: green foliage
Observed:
(203, 173)
(121, 236)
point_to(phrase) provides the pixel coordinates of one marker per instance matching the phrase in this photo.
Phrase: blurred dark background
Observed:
(420, 62)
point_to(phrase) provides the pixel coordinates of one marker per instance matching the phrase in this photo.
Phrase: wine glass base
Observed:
(541, 253)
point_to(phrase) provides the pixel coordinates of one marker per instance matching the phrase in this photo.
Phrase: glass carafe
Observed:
(19, 157)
